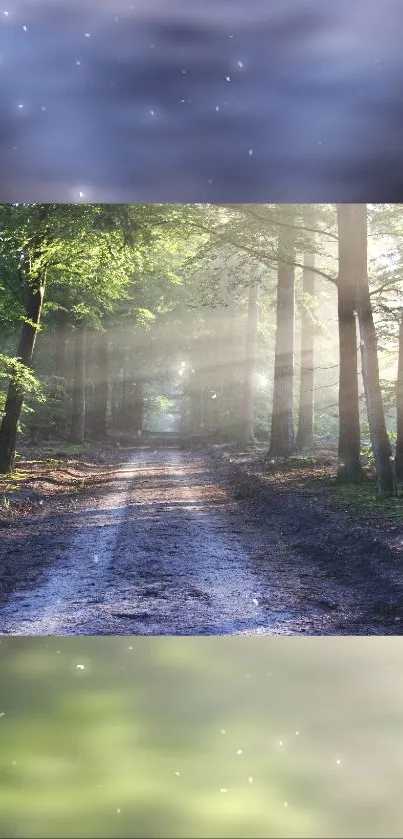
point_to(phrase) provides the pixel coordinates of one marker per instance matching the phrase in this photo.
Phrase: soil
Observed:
(162, 541)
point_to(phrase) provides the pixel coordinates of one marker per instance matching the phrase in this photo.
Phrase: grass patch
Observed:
(67, 450)
(301, 460)
(363, 498)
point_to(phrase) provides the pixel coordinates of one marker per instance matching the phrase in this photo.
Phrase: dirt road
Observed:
(166, 547)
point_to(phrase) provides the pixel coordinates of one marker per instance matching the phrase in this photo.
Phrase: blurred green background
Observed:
(191, 737)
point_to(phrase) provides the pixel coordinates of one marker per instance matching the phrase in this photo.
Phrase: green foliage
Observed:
(24, 376)
(366, 448)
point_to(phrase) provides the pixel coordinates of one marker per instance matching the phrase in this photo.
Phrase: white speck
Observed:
(130, 648)
(87, 35)
(228, 78)
(152, 113)
(296, 733)
(96, 557)
(217, 107)
(250, 152)
(239, 64)
(41, 502)
(255, 601)
(118, 810)
(25, 29)
(230, 36)
(6, 13)
(78, 63)
(184, 72)
(223, 731)
(223, 789)
(250, 780)
(80, 666)
(338, 761)
(20, 106)
(285, 803)
(177, 773)
(239, 751)
(2, 713)
(280, 742)
(43, 108)
(81, 195)
(14, 763)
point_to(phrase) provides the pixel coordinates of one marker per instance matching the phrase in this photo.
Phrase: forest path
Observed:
(166, 547)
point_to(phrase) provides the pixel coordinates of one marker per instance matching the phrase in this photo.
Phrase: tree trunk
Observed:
(350, 469)
(33, 293)
(282, 441)
(101, 382)
(250, 365)
(399, 407)
(78, 413)
(138, 408)
(306, 393)
(128, 388)
(357, 215)
(114, 404)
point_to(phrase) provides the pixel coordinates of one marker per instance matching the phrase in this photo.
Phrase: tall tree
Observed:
(306, 393)
(356, 221)
(282, 442)
(350, 469)
(77, 431)
(101, 382)
(399, 407)
(31, 274)
(250, 363)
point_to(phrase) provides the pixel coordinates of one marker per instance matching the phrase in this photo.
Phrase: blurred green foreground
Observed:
(191, 737)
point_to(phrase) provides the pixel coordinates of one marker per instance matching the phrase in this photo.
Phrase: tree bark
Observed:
(77, 431)
(33, 293)
(357, 214)
(306, 393)
(282, 441)
(399, 407)
(349, 469)
(250, 364)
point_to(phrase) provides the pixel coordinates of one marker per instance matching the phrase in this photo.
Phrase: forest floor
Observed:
(100, 540)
